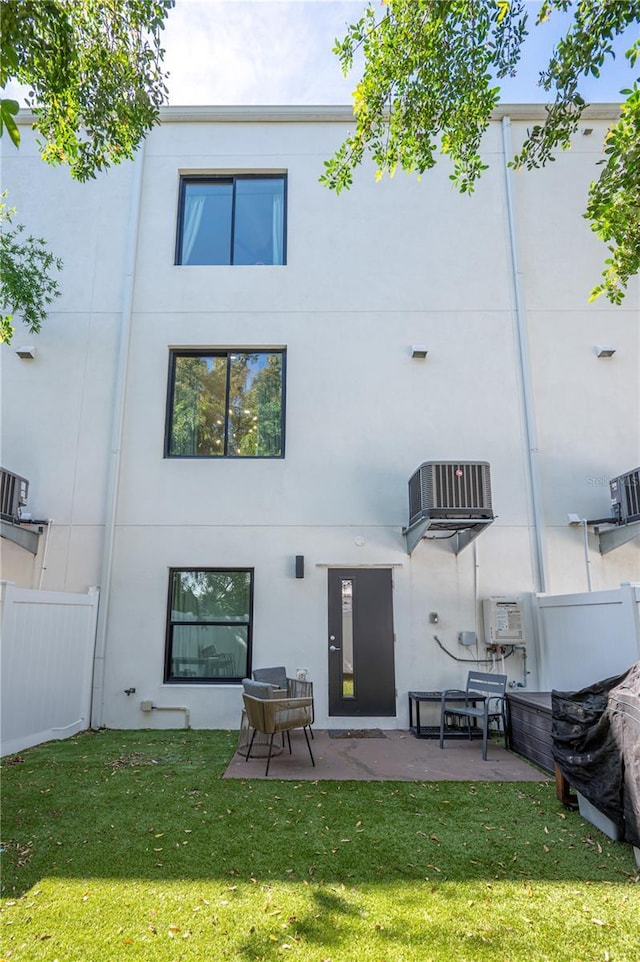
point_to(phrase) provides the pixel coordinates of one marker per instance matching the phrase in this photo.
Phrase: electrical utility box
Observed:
(504, 621)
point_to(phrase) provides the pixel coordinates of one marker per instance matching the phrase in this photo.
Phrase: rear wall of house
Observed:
(368, 274)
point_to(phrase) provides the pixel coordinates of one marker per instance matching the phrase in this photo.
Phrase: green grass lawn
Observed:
(129, 845)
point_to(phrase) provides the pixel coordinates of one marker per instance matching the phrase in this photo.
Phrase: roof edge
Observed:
(327, 114)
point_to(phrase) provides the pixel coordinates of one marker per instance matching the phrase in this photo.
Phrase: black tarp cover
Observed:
(624, 713)
(596, 744)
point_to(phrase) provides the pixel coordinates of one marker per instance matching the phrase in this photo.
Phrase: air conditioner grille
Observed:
(13, 493)
(440, 489)
(625, 496)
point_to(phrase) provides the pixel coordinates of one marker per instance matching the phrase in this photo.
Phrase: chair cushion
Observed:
(258, 689)
(274, 676)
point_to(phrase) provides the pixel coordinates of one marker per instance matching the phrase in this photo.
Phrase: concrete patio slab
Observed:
(398, 756)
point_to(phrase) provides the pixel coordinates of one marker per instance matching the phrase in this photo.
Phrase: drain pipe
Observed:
(587, 559)
(524, 365)
(574, 520)
(43, 566)
(113, 471)
(148, 706)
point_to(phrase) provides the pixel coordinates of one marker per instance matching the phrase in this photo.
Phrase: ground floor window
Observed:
(209, 624)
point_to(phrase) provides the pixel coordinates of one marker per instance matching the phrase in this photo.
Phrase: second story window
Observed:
(232, 220)
(226, 404)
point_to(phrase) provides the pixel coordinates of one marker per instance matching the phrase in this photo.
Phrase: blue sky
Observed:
(279, 52)
(246, 52)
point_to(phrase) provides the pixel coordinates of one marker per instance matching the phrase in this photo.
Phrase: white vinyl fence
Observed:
(585, 638)
(46, 664)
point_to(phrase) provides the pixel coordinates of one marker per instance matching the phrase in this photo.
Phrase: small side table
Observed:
(433, 731)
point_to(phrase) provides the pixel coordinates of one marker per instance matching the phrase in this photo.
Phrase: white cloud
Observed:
(257, 51)
(280, 52)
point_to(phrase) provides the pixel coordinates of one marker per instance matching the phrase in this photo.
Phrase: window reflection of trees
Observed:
(227, 405)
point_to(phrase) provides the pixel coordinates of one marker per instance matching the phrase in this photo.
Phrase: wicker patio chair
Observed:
(294, 687)
(269, 713)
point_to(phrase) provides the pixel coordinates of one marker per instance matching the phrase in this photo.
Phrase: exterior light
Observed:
(419, 351)
(603, 350)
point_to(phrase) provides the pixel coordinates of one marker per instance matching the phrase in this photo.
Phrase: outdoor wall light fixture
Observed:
(418, 350)
(587, 131)
(26, 353)
(603, 350)
(299, 566)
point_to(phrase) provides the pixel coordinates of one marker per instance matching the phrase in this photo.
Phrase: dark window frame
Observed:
(227, 353)
(231, 179)
(170, 679)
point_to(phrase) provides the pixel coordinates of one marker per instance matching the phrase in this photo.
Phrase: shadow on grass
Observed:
(153, 806)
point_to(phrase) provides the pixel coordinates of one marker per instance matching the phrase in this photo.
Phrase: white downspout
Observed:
(587, 559)
(524, 365)
(43, 566)
(113, 471)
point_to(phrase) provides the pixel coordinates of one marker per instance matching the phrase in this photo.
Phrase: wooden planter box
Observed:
(529, 727)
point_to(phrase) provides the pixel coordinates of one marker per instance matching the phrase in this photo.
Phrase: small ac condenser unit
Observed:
(625, 497)
(450, 489)
(13, 494)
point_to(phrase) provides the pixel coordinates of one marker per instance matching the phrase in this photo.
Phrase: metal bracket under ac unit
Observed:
(24, 537)
(461, 531)
(610, 538)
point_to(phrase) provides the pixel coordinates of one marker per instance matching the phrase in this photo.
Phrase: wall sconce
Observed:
(603, 350)
(418, 350)
(299, 566)
(26, 353)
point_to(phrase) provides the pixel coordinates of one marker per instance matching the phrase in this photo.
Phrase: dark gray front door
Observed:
(360, 643)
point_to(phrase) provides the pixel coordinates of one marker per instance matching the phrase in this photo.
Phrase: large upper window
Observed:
(226, 404)
(209, 625)
(232, 220)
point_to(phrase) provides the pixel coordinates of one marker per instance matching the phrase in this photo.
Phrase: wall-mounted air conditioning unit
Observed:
(450, 489)
(13, 494)
(625, 497)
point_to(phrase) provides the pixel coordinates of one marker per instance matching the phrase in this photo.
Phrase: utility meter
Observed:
(504, 621)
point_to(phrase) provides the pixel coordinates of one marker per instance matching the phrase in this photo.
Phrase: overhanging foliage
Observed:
(431, 80)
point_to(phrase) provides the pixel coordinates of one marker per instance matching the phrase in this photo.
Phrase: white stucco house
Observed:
(223, 411)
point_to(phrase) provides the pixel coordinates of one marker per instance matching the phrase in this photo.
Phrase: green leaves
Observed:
(94, 72)
(614, 202)
(428, 87)
(27, 284)
(8, 110)
(93, 68)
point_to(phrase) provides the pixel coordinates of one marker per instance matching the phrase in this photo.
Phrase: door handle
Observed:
(333, 648)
